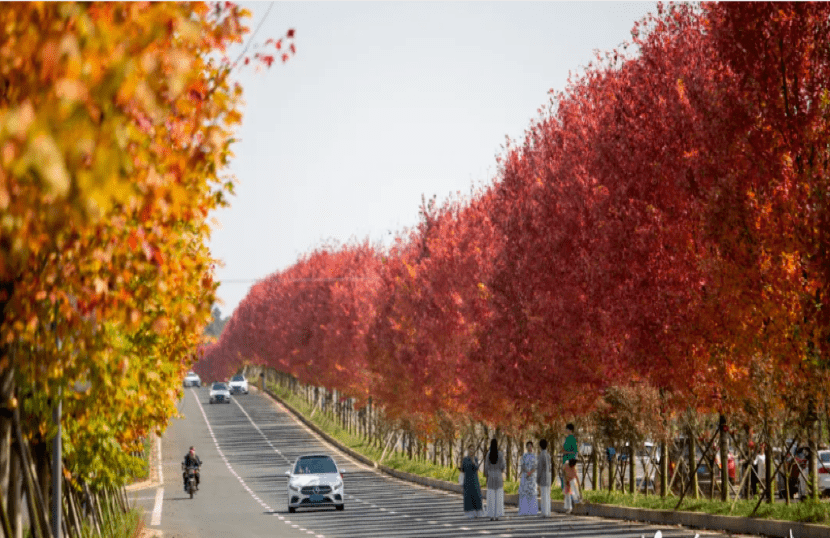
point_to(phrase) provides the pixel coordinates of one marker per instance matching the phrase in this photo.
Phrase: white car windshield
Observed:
(219, 386)
(315, 465)
(238, 378)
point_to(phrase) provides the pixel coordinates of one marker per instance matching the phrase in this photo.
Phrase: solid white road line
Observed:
(156, 519)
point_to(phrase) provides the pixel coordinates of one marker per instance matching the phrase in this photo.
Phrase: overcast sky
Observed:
(385, 102)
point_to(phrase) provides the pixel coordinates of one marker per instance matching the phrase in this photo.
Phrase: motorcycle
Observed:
(191, 479)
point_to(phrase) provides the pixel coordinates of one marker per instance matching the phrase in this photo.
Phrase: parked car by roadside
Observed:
(824, 472)
(801, 459)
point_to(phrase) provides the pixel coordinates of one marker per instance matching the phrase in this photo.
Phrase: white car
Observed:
(313, 481)
(823, 473)
(238, 384)
(192, 380)
(219, 393)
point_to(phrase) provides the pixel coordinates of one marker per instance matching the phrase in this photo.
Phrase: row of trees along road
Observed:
(115, 127)
(663, 226)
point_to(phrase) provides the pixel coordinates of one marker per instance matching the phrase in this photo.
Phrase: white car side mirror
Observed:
(287, 473)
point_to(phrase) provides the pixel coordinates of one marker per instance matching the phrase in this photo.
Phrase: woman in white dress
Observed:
(528, 504)
(543, 477)
(494, 467)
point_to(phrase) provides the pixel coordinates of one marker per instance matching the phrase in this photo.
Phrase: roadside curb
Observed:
(697, 520)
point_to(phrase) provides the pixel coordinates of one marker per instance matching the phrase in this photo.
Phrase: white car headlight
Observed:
(338, 484)
(293, 487)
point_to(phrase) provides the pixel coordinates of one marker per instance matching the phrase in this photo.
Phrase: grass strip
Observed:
(806, 512)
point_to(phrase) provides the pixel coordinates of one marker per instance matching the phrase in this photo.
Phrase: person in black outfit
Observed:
(191, 459)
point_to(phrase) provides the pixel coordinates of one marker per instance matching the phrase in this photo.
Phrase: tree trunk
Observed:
(612, 470)
(693, 464)
(813, 463)
(8, 478)
(93, 514)
(768, 473)
(664, 468)
(444, 443)
(109, 507)
(15, 500)
(6, 395)
(95, 511)
(368, 418)
(632, 469)
(509, 459)
(38, 519)
(4, 516)
(724, 460)
(43, 470)
(388, 441)
(595, 469)
(449, 452)
(64, 508)
(72, 508)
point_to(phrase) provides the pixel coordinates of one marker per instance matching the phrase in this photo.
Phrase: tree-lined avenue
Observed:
(247, 494)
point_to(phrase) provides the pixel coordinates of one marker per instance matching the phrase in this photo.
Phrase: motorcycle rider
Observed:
(191, 459)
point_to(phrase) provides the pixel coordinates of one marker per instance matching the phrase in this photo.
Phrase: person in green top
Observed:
(569, 450)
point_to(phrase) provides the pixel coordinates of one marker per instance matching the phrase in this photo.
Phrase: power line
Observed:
(251, 38)
(319, 279)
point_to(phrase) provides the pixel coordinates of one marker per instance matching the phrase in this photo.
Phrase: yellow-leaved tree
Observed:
(116, 121)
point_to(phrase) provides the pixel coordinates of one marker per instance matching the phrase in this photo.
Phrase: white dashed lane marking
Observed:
(233, 471)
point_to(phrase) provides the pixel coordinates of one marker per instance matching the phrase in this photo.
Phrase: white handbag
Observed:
(461, 478)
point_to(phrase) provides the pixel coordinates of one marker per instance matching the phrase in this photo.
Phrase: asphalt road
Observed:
(247, 446)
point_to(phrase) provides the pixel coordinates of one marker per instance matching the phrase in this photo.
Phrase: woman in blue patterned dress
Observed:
(528, 504)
